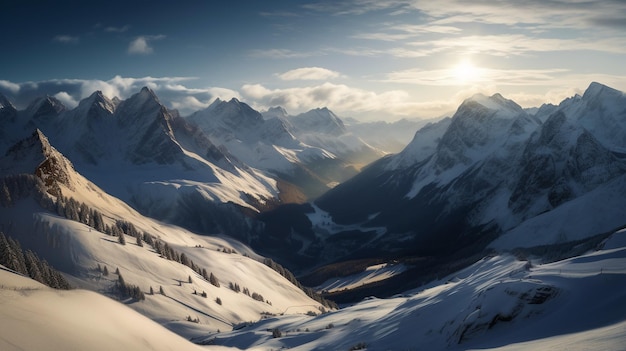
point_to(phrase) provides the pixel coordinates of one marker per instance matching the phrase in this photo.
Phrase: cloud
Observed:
(358, 7)
(309, 73)
(450, 76)
(172, 91)
(66, 99)
(280, 53)
(113, 29)
(530, 13)
(10, 87)
(65, 39)
(512, 44)
(338, 97)
(141, 44)
(279, 14)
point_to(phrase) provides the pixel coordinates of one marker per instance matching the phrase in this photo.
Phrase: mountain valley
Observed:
(486, 228)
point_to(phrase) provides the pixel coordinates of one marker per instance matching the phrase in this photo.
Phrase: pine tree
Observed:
(83, 213)
(20, 262)
(5, 195)
(105, 271)
(213, 280)
(151, 291)
(161, 290)
(189, 280)
(121, 239)
(32, 265)
(139, 241)
(184, 260)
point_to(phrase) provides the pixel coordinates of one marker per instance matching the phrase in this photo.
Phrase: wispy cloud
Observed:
(405, 31)
(450, 77)
(172, 91)
(66, 39)
(358, 7)
(281, 53)
(280, 14)
(338, 97)
(309, 73)
(66, 99)
(507, 45)
(9, 87)
(141, 45)
(113, 29)
(552, 13)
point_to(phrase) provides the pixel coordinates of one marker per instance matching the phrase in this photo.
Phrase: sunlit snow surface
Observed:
(35, 317)
(498, 303)
(370, 275)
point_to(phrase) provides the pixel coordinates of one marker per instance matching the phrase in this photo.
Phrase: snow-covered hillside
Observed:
(35, 317)
(67, 220)
(497, 303)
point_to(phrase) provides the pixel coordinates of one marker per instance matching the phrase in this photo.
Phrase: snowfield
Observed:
(498, 303)
(35, 317)
(371, 274)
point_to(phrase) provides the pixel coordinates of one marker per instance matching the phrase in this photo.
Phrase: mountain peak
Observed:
(319, 120)
(494, 102)
(596, 89)
(99, 101)
(45, 106)
(275, 112)
(142, 101)
(5, 103)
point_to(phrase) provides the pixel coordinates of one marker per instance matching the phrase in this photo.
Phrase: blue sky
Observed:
(369, 59)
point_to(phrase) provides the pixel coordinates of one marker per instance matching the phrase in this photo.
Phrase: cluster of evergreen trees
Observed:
(129, 290)
(80, 212)
(167, 252)
(236, 288)
(308, 291)
(29, 264)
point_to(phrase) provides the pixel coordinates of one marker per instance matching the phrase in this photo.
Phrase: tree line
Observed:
(308, 291)
(29, 264)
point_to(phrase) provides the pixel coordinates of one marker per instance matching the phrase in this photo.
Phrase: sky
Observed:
(366, 59)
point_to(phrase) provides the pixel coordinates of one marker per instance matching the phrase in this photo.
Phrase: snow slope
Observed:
(498, 303)
(35, 317)
(78, 250)
(371, 274)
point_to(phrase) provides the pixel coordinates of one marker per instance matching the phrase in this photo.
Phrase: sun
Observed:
(465, 72)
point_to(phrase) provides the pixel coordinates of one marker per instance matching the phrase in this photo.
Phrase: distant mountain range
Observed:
(494, 175)
(185, 218)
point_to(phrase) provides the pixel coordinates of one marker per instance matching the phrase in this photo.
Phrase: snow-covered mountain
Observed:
(497, 303)
(491, 170)
(312, 159)
(391, 137)
(149, 157)
(218, 282)
(322, 128)
(471, 199)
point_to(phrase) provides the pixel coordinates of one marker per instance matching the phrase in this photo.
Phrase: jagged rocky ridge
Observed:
(491, 167)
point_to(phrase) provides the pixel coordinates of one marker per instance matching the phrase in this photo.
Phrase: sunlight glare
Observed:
(466, 72)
